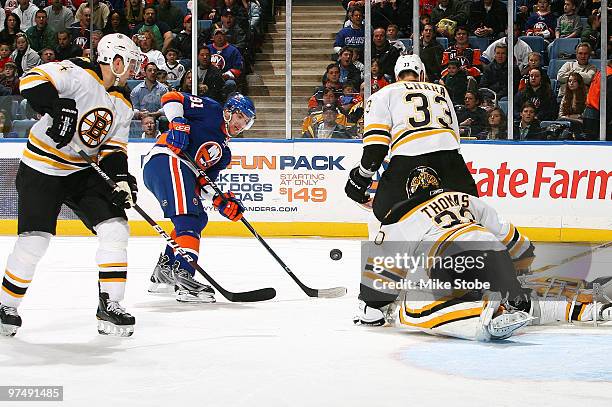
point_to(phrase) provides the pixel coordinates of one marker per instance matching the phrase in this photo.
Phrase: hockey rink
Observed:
(291, 351)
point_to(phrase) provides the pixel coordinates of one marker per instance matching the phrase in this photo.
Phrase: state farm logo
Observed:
(546, 180)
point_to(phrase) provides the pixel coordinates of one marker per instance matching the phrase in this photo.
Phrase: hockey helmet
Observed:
(112, 45)
(238, 102)
(422, 179)
(410, 63)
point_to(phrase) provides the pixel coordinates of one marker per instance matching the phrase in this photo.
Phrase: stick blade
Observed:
(262, 294)
(331, 292)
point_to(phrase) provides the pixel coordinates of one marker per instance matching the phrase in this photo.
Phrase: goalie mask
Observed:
(422, 179)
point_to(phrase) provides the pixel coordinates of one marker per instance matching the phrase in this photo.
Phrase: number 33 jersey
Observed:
(411, 118)
(103, 122)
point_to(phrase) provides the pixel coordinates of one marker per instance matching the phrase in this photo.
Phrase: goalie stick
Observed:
(262, 294)
(311, 292)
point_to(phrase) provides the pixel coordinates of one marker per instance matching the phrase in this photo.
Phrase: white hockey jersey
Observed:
(412, 118)
(444, 225)
(103, 121)
(455, 217)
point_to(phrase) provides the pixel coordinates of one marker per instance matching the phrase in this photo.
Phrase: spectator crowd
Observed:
(40, 31)
(463, 45)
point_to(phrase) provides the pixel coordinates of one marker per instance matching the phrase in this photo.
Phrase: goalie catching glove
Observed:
(65, 116)
(357, 186)
(229, 206)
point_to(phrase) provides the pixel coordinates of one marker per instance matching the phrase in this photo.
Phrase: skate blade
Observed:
(8, 330)
(107, 328)
(161, 288)
(201, 298)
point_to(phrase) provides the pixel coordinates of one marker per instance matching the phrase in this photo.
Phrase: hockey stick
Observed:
(572, 258)
(262, 294)
(311, 292)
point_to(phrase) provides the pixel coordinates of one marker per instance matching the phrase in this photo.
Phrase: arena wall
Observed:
(554, 191)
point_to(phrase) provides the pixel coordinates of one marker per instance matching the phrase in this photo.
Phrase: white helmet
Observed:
(112, 45)
(410, 63)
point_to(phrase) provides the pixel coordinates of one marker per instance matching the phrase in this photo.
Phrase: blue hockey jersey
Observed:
(208, 141)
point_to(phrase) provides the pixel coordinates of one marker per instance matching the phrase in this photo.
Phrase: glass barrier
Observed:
(558, 58)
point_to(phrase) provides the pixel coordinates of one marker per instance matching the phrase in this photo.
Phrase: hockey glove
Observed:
(178, 135)
(65, 116)
(357, 186)
(522, 264)
(124, 195)
(229, 206)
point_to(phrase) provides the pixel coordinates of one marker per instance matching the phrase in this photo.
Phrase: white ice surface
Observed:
(291, 351)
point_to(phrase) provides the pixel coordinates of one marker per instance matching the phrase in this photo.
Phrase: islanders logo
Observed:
(208, 154)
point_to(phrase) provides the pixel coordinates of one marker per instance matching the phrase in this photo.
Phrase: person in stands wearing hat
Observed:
(182, 41)
(328, 127)
(227, 59)
(235, 34)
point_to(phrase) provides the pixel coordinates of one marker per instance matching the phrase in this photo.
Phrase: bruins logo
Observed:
(94, 126)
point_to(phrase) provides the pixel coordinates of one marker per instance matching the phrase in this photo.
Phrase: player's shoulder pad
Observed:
(87, 65)
(173, 96)
(401, 208)
(84, 63)
(121, 93)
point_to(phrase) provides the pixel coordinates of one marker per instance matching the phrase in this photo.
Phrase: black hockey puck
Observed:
(335, 254)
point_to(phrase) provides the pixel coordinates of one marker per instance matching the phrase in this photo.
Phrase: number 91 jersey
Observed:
(411, 118)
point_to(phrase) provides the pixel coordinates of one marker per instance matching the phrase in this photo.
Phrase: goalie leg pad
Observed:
(111, 257)
(27, 252)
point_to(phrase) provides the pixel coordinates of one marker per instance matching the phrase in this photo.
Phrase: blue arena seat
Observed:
(596, 62)
(585, 22)
(22, 127)
(479, 42)
(132, 83)
(181, 5)
(443, 41)
(563, 45)
(503, 105)
(554, 85)
(135, 129)
(554, 65)
(535, 43)
(406, 41)
(204, 25)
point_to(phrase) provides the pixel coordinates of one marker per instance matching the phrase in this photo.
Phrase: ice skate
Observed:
(190, 290)
(113, 319)
(162, 280)
(10, 321)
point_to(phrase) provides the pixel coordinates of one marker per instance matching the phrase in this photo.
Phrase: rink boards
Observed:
(555, 191)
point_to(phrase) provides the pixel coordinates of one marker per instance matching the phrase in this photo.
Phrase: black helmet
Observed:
(422, 179)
